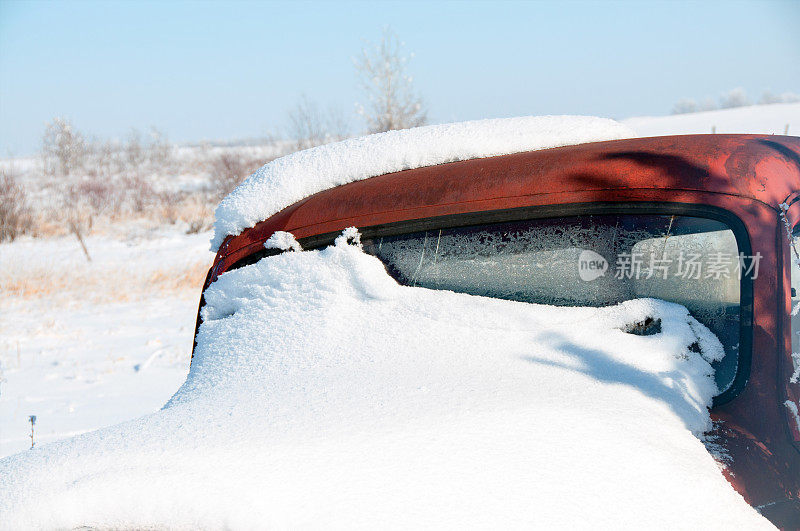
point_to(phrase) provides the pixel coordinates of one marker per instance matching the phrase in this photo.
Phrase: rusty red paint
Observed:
(747, 175)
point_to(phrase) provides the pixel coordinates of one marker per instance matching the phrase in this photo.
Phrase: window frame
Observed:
(788, 264)
(732, 221)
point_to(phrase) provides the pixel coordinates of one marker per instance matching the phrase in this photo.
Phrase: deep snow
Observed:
(324, 394)
(289, 179)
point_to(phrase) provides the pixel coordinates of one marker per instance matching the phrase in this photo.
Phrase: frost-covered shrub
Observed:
(685, 106)
(87, 179)
(14, 211)
(787, 97)
(229, 169)
(734, 98)
(310, 126)
(63, 148)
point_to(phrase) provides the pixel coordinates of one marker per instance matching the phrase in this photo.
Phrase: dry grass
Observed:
(110, 286)
(194, 211)
(170, 281)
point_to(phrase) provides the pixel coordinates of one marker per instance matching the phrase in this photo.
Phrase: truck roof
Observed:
(764, 168)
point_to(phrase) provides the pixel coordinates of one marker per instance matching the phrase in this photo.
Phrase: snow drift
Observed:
(324, 394)
(289, 179)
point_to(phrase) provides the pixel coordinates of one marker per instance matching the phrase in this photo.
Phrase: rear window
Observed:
(587, 260)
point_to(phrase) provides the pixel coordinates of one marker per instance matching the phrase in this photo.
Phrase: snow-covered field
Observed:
(90, 344)
(775, 119)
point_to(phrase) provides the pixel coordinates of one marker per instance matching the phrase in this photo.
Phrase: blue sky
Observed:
(213, 70)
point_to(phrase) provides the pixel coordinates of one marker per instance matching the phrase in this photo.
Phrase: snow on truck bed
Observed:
(289, 179)
(324, 394)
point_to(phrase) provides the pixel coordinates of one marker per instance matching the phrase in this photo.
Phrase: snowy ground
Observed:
(88, 344)
(775, 119)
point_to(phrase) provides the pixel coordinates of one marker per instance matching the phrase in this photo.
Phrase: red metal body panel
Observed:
(747, 175)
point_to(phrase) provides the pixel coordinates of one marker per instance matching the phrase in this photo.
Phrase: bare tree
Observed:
(685, 106)
(393, 104)
(229, 169)
(14, 212)
(160, 149)
(309, 126)
(787, 97)
(63, 153)
(135, 153)
(734, 98)
(707, 105)
(63, 148)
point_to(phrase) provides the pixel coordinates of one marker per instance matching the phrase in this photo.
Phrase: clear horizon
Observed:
(221, 71)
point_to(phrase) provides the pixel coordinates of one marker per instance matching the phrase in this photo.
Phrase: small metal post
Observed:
(32, 420)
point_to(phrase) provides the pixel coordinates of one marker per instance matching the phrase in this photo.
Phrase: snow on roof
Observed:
(289, 179)
(324, 394)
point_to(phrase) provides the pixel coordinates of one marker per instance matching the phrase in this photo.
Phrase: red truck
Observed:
(717, 211)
